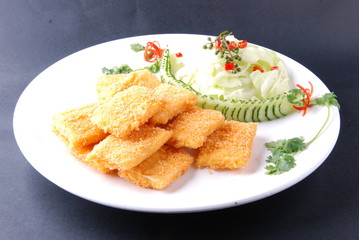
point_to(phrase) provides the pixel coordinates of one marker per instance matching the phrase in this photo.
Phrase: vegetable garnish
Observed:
(242, 44)
(179, 54)
(137, 47)
(229, 66)
(227, 49)
(153, 51)
(218, 44)
(283, 151)
(301, 98)
(123, 69)
(256, 68)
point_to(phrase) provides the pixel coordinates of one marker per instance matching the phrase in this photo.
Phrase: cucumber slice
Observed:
(239, 110)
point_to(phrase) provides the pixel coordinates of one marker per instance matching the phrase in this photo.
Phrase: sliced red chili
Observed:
(274, 68)
(179, 54)
(232, 44)
(152, 51)
(306, 101)
(242, 44)
(229, 66)
(257, 68)
(218, 43)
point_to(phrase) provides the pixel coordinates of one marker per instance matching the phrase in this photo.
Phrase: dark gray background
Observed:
(323, 35)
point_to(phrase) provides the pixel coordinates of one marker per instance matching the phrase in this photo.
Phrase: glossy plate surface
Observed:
(70, 83)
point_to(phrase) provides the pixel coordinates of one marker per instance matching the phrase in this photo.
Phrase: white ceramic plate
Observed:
(70, 83)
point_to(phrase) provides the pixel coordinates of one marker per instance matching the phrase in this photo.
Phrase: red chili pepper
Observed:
(306, 100)
(232, 44)
(242, 44)
(218, 44)
(274, 68)
(152, 51)
(229, 66)
(257, 68)
(179, 54)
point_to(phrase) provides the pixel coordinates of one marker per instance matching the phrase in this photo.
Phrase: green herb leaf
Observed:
(282, 159)
(327, 99)
(137, 47)
(117, 70)
(292, 145)
(295, 97)
(279, 162)
(154, 68)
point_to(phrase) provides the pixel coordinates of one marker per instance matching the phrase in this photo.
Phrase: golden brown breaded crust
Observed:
(191, 128)
(229, 147)
(75, 128)
(81, 153)
(127, 152)
(126, 111)
(176, 100)
(159, 170)
(109, 85)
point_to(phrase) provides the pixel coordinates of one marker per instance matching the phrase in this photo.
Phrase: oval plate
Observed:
(70, 83)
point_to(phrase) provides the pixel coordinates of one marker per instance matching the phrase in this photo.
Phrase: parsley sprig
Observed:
(283, 151)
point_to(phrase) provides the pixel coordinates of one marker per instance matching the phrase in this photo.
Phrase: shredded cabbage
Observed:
(207, 75)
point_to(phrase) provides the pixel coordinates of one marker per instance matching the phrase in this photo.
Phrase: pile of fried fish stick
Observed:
(150, 133)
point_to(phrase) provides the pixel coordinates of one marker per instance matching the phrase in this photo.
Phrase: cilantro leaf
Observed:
(279, 163)
(287, 145)
(154, 68)
(294, 145)
(282, 159)
(117, 70)
(272, 146)
(137, 47)
(327, 99)
(295, 97)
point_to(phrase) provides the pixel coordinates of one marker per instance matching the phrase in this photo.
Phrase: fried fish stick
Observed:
(109, 85)
(75, 128)
(159, 170)
(127, 152)
(191, 128)
(176, 100)
(229, 147)
(126, 111)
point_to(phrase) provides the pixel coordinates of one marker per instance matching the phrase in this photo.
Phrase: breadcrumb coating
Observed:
(81, 153)
(75, 128)
(229, 147)
(176, 100)
(126, 111)
(159, 170)
(108, 85)
(191, 128)
(127, 152)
